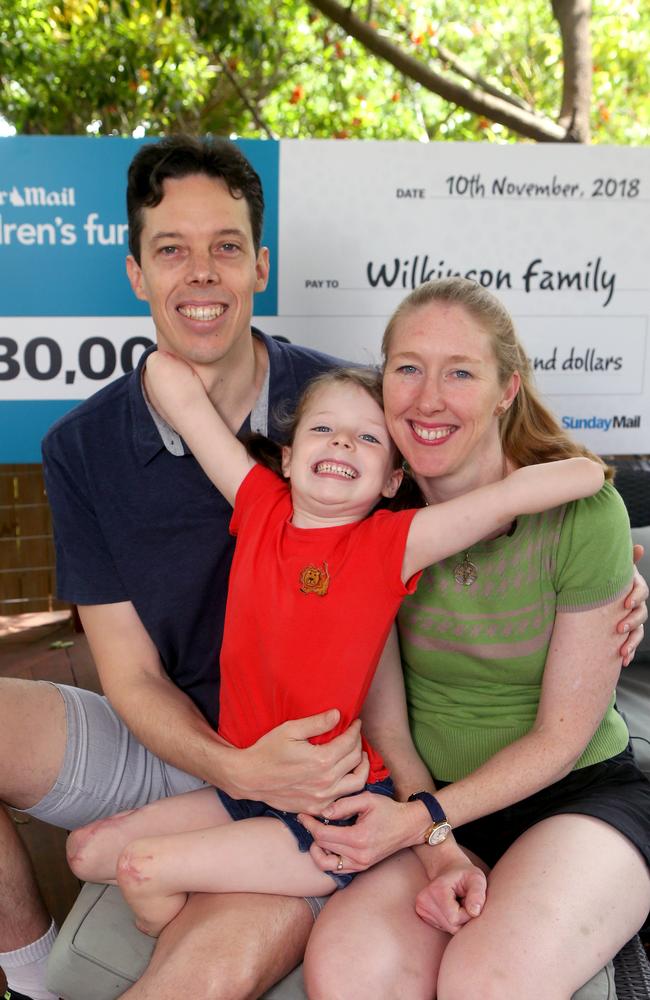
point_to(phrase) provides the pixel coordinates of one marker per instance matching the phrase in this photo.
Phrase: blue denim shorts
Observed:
(249, 808)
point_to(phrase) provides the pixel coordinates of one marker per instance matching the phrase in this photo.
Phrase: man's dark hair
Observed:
(179, 156)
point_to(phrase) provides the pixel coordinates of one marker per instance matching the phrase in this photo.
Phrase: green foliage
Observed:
(621, 42)
(103, 67)
(281, 68)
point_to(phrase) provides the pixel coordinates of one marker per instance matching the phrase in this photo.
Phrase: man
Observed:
(143, 549)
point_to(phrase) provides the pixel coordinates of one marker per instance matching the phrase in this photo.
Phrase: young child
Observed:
(315, 584)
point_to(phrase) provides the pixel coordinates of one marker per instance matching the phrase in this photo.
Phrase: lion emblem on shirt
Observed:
(315, 580)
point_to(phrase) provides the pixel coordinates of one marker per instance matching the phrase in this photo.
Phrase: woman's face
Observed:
(441, 392)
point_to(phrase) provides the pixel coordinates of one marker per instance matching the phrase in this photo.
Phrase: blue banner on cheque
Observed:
(69, 322)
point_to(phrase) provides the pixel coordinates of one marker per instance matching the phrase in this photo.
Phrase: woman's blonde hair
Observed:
(530, 433)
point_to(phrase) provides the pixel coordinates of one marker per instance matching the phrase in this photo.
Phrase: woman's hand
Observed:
(383, 826)
(637, 613)
(455, 896)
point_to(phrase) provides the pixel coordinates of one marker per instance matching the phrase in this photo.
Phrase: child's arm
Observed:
(445, 528)
(177, 393)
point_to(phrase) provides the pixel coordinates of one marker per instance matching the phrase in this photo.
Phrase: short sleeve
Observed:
(85, 570)
(256, 486)
(594, 555)
(386, 532)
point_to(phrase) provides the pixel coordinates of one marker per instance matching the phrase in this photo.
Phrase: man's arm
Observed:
(282, 768)
(635, 612)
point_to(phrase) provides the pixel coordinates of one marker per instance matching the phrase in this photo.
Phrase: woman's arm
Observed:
(445, 528)
(385, 725)
(383, 824)
(178, 394)
(581, 671)
(580, 676)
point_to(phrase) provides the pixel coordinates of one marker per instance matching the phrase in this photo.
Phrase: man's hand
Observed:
(635, 603)
(454, 897)
(284, 769)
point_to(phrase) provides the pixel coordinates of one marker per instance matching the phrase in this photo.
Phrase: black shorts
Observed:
(615, 791)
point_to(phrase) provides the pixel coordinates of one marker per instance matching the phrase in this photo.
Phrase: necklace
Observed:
(466, 572)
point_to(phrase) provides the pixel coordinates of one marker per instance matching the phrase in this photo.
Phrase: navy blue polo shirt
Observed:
(132, 522)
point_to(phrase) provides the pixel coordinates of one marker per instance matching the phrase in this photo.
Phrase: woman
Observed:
(510, 670)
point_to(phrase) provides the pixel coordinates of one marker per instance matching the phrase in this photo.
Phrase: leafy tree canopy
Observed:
(284, 68)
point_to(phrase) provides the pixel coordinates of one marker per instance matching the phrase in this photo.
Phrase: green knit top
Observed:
(474, 656)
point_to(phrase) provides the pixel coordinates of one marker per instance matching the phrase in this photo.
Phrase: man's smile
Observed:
(203, 313)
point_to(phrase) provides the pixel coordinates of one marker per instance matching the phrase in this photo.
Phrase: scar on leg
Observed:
(128, 867)
(80, 838)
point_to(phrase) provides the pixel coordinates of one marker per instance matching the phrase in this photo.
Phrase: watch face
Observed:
(439, 833)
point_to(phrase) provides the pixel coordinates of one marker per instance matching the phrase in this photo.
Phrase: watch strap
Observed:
(436, 811)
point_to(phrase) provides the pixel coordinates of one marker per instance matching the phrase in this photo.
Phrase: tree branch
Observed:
(462, 69)
(523, 122)
(243, 98)
(574, 16)
(470, 74)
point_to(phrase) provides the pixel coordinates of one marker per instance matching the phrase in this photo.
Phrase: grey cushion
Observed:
(99, 954)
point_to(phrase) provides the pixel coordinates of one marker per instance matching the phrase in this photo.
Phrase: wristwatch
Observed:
(441, 827)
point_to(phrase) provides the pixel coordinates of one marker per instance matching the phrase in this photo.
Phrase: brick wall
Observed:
(26, 547)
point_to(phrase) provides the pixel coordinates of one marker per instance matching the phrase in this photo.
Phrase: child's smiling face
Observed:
(342, 459)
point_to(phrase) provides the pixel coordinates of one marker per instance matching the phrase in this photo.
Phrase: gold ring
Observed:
(340, 863)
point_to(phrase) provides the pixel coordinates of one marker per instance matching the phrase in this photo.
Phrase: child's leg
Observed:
(155, 874)
(93, 850)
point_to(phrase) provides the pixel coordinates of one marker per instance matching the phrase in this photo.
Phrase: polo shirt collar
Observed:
(147, 438)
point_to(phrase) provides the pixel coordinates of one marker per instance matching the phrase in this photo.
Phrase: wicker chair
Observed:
(632, 971)
(633, 483)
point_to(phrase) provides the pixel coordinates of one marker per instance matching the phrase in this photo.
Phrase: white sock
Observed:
(25, 968)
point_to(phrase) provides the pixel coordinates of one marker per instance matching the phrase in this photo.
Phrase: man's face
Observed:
(198, 270)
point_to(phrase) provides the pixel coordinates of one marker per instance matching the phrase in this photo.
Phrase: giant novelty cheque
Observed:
(561, 233)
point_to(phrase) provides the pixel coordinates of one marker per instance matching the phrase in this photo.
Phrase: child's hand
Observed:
(172, 386)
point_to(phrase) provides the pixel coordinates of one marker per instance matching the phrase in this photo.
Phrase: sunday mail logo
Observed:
(37, 197)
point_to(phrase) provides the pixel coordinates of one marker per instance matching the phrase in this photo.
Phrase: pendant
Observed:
(466, 572)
